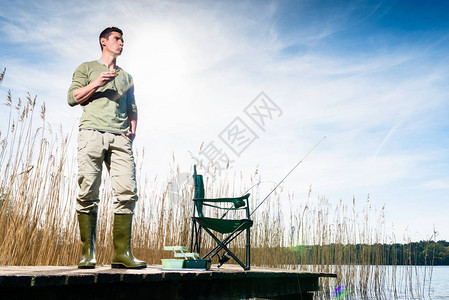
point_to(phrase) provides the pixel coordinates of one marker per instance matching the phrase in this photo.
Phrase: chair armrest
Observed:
(238, 202)
(222, 199)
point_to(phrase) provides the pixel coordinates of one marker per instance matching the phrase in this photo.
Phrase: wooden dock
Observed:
(227, 282)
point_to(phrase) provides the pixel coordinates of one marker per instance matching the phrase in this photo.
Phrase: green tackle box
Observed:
(198, 264)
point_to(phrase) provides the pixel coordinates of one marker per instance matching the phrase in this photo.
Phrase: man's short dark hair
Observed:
(107, 32)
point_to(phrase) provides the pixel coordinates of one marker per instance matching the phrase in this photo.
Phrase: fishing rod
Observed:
(231, 236)
(305, 156)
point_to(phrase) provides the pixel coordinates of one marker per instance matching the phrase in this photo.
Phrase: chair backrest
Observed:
(199, 191)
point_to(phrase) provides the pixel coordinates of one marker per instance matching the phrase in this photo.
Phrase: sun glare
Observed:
(160, 65)
(158, 57)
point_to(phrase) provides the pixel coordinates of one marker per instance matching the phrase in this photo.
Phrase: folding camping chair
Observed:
(231, 227)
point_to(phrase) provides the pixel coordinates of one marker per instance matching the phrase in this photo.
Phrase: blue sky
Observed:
(369, 75)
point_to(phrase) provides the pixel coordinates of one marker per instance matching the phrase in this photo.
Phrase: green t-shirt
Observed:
(109, 107)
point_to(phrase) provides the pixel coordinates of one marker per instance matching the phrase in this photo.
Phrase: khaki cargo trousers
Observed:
(115, 151)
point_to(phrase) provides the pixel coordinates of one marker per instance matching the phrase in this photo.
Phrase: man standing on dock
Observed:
(107, 129)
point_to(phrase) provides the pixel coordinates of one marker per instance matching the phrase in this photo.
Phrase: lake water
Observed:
(417, 282)
(392, 282)
(414, 282)
(439, 286)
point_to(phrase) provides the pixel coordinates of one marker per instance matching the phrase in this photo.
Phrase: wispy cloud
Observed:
(442, 184)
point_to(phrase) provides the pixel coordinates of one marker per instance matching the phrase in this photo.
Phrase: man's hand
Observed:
(104, 78)
(131, 135)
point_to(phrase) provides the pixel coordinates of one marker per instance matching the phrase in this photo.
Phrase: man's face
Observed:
(113, 44)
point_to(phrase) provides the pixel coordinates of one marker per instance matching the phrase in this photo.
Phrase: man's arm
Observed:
(83, 94)
(131, 109)
(132, 118)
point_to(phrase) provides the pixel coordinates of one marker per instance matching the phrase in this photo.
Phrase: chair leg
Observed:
(191, 237)
(223, 246)
(248, 248)
(226, 241)
(195, 239)
(199, 238)
(218, 248)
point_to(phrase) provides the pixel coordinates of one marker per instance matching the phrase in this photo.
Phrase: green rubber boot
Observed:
(123, 258)
(88, 231)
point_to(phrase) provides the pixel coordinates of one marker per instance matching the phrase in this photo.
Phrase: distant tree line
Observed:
(414, 253)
